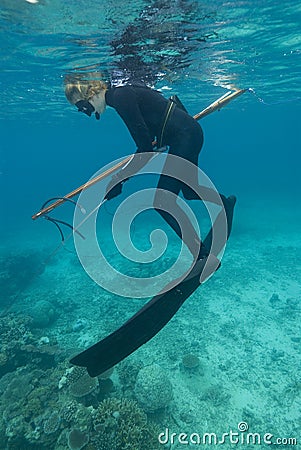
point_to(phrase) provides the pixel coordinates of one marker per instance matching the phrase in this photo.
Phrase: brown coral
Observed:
(120, 424)
(190, 361)
(81, 384)
(52, 423)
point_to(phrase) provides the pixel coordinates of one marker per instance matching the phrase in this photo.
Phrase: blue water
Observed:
(243, 325)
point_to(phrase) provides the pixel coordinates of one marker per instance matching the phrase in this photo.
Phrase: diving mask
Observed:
(87, 108)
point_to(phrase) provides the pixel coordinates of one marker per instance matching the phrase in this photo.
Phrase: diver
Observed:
(153, 121)
(150, 117)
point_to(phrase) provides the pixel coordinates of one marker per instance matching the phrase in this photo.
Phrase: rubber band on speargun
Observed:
(56, 222)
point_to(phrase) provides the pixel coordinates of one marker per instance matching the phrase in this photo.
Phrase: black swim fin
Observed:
(149, 320)
(145, 324)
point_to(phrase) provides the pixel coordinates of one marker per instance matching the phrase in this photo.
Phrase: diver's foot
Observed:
(232, 200)
(229, 204)
(211, 265)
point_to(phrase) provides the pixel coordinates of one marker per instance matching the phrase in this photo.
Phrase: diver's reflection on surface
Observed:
(160, 42)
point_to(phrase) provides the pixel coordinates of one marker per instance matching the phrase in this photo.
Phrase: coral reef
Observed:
(52, 423)
(47, 405)
(36, 414)
(85, 389)
(115, 424)
(21, 347)
(153, 388)
(127, 372)
(81, 384)
(42, 313)
(121, 425)
(68, 411)
(29, 408)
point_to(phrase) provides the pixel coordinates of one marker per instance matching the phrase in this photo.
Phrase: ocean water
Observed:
(229, 360)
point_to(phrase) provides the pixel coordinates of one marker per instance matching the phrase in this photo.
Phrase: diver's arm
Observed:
(128, 109)
(126, 105)
(136, 163)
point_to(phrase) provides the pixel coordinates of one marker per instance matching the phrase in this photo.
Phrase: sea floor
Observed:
(231, 353)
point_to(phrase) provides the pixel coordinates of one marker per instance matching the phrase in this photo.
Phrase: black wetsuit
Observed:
(143, 111)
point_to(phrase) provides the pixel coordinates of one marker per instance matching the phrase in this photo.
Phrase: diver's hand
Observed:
(113, 191)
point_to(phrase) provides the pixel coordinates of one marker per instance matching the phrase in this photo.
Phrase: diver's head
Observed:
(87, 96)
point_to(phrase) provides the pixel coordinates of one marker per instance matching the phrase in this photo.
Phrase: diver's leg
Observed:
(189, 149)
(207, 194)
(210, 195)
(163, 200)
(229, 204)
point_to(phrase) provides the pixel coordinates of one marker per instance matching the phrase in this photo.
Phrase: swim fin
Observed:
(150, 319)
(146, 323)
